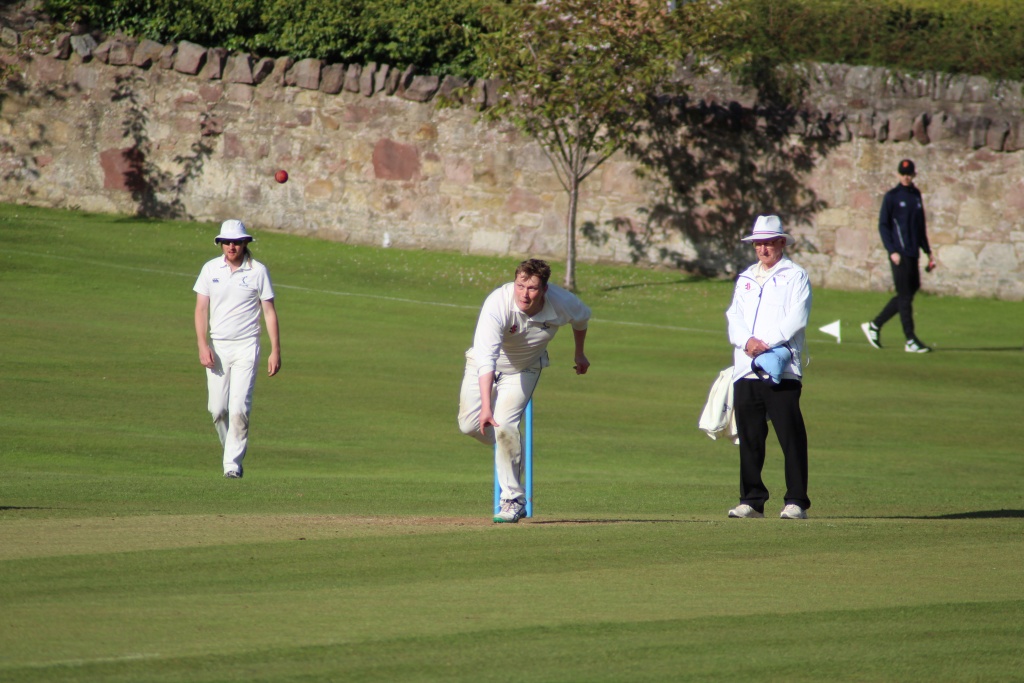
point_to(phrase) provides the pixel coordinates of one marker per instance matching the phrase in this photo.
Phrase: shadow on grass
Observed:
(616, 521)
(683, 281)
(16, 507)
(978, 514)
(979, 348)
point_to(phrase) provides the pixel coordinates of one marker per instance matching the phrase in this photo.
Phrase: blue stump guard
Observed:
(527, 465)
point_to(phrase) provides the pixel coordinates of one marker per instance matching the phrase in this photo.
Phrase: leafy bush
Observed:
(984, 37)
(434, 35)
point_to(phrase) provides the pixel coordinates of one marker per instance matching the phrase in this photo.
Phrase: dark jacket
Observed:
(901, 222)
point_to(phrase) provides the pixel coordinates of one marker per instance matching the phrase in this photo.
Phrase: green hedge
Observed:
(435, 35)
(983, 37)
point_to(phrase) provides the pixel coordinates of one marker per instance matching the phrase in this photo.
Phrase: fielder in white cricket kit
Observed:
(503, 366)
(231, 291)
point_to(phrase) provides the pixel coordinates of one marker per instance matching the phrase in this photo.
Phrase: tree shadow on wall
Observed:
(716, 168)
(19, 153)
(156, 192)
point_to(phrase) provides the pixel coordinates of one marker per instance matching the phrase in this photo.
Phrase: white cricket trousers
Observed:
(230, 383)
(509, 396)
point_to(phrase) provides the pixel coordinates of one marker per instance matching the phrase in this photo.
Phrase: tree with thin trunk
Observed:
(577, 76)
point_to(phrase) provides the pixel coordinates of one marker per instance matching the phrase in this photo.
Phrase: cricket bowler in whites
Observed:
(509, 350)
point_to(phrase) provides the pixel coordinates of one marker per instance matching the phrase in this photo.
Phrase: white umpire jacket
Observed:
(776, 313)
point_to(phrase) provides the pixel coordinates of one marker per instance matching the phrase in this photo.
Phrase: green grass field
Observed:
(359, 545)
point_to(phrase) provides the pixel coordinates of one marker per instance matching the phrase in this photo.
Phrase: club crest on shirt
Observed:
(514, 328)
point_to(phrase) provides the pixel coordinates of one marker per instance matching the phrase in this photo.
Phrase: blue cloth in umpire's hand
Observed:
(770, 364)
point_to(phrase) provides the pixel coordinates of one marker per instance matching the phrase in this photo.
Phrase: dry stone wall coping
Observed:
(488, 190)
(844, 101)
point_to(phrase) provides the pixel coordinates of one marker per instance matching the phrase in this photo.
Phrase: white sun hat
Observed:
(768, 228)
(233, 230)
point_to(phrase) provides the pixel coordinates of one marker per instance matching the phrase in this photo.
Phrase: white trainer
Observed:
(511, 512)
(916, 346)
(873, 334)
(745, 511)
(793, 511)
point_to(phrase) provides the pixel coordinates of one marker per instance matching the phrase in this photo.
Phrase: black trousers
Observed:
(907, 278)
(754, 401)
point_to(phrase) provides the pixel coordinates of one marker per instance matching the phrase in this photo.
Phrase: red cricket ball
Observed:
(281, 176)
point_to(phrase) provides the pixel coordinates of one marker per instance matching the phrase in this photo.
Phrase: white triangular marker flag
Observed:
(833, 329)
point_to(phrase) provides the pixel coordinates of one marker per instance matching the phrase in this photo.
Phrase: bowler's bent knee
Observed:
(470, 426)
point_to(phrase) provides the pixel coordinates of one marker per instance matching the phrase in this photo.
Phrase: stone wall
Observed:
(130, 127)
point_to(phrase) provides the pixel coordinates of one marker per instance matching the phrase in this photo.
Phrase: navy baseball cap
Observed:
(906, 167)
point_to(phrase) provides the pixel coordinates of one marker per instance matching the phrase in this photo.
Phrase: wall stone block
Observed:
(47, 70)
(367, 80)
(120, 168)
(450, 85)
(1015, 137)
(395, 161)
(995, 137)
(332, 79)
(901, 127)
(167, 56)
(352, 76)
(380, 78)
(854, 243)
(941, 127)
(190, 58)
(979, 132)
(920, 129)
(278, 74)
(62, 46)
(864, 126)
(213, 69)
(881, 128)
(85, 77)
(490, 242)
(421, 88)
(238, 69)
(977, 89)
(263, 69)
(995, 258)
(305, 74)
(147, 53)
(392, 81)
(83, 46)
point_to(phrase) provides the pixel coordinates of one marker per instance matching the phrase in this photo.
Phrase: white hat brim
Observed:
(766, 238)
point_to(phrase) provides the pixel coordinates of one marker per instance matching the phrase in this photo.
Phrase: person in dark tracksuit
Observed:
(902, 227)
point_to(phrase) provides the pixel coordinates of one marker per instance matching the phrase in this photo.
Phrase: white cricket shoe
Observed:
(793, 511)
(745, 511)
(511, 512)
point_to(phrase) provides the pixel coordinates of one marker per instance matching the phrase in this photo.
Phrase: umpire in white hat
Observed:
(770, 307)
